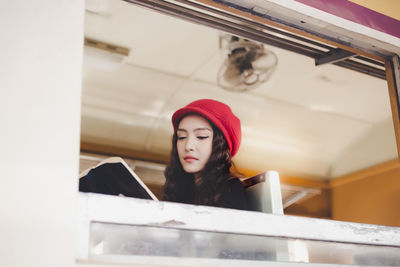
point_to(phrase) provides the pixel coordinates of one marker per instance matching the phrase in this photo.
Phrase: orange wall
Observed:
(390, 8)
(374, 198)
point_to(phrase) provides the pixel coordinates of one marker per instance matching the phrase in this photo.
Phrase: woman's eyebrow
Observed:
(202, 128)
(197, 129)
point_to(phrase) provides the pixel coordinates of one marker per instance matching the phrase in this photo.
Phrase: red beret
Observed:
(219, 114)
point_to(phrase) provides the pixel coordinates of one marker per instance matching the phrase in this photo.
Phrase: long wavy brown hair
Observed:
(181, 186)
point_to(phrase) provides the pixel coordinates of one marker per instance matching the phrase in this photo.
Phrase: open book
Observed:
(113, 176)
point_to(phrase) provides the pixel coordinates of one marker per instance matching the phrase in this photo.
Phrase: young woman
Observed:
(206, 137)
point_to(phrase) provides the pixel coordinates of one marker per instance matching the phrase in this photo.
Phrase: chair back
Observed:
(264, 192)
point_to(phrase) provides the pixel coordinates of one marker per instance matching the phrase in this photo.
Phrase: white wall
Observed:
(40, 90)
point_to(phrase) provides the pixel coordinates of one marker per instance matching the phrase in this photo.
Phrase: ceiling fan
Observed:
(247, 64)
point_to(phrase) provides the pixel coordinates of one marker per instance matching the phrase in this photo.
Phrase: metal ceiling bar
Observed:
(363, 68)
(243, 27)
(393, 79)
(334, 56)
(255, 24)
(107, 47)
(372, 61)
(227, 26)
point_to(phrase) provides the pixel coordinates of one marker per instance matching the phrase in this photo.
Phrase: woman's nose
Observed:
(190, 144)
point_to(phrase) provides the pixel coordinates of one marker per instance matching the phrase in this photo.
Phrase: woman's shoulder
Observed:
(234, 195)
(235, 183)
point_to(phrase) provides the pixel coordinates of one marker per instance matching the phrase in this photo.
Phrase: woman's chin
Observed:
(191, 169)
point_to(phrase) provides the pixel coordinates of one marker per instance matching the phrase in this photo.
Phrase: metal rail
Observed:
(236, 25)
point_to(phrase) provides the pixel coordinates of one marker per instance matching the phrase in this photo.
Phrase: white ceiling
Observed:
(314, 122)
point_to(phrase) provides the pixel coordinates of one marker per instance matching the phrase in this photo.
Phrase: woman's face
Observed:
(194, 143)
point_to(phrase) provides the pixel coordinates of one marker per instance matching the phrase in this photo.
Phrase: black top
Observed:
(115, 179)
(234, 196)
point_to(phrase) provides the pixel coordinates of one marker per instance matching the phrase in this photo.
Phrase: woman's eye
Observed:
(202, 137)
(181, 137)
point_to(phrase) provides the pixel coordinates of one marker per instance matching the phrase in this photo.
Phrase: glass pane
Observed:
(110, 240)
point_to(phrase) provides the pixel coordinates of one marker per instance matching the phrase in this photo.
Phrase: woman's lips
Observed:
(189, 159)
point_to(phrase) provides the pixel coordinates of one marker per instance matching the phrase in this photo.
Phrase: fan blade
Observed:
(264, 60)
(232, 75)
